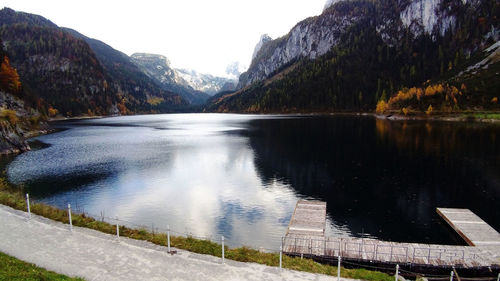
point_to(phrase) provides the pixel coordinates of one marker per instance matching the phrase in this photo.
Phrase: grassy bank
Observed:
(14, 269)
(483, 115)
(13, 197)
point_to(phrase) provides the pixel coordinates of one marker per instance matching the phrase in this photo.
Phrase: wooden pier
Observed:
(472, 229)
(308, 219)
(305, 237)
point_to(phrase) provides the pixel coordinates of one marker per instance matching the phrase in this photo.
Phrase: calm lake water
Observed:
(241, 175)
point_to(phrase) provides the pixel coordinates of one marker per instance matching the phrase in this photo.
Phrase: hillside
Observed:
(377, 49)
(132, 83)
(61, 72)
(17, 120)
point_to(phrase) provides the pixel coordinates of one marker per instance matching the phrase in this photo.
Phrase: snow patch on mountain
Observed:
(206, 83)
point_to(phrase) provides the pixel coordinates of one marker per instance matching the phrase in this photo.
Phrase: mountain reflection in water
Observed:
(241, 175)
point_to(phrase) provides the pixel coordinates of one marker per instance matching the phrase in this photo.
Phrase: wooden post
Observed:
(69, 215)
(168, 238)
(324, 246)
(338, 268)
(310, 246)
(361, 249)
(28, 204)
(397, 272)
(222, 249)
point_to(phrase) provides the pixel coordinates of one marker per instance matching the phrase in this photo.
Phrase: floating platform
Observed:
(472, 229)
(305, 237)
(308, 219)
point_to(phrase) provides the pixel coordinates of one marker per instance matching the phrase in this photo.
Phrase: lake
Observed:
(240, 176)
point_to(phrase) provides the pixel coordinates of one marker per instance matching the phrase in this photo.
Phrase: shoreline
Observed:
(455, 117)
(13, 197)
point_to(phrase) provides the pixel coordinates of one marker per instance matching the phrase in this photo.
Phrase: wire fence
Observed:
(313, 248)
(375, 250)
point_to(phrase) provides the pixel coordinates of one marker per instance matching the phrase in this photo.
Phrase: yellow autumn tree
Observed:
(9, 78)
(52, 111)
(429, 110)
(382, 106)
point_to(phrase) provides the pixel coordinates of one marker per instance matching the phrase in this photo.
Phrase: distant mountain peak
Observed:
(234, 69)
(329, 3)
(155, 57)
(264, 38)
(10, 16)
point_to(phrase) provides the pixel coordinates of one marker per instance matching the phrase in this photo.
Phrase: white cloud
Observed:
(198, 34)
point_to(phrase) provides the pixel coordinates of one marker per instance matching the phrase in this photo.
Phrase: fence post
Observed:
(168, 238)
(281, 256)
(324, 247)
(451, 276)
(69, 215)
(117, 228)
(28, 204)
(338, 268)
(222, 249)
(397, 272)
(361, 249)
(498, 278)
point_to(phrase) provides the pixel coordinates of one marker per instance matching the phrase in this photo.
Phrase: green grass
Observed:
(14, 269)
(13, 197)
(479, 115)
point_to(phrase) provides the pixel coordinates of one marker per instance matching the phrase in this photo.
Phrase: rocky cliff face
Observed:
(310, 38)
(263, 40)
(17, 123)
(315, 36)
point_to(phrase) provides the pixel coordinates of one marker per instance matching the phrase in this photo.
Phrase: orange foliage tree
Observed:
(382, 106)
(52, 111)
(9, 78)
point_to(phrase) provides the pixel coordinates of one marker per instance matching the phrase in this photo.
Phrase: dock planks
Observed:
(309, 218)
(472, 229)
(305, 236)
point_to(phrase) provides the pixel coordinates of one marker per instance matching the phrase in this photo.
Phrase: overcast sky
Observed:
(205, 35)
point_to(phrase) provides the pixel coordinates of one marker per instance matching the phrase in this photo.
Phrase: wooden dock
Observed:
(305, 237)
(472, 229)
(308, 219)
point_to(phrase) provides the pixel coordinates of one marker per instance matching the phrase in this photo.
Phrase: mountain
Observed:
(206, 83)
(358, 52)
(60, 71)
(159, 69)
(130, 81)
(193, 86)
(18, 121)
(263, 40)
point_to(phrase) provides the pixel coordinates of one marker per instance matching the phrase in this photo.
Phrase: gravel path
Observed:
(97, 256)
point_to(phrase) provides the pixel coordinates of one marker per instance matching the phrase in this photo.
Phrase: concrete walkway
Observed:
(93, 255)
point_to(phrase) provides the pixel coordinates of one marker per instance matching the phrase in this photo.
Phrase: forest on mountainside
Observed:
(363, 69)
